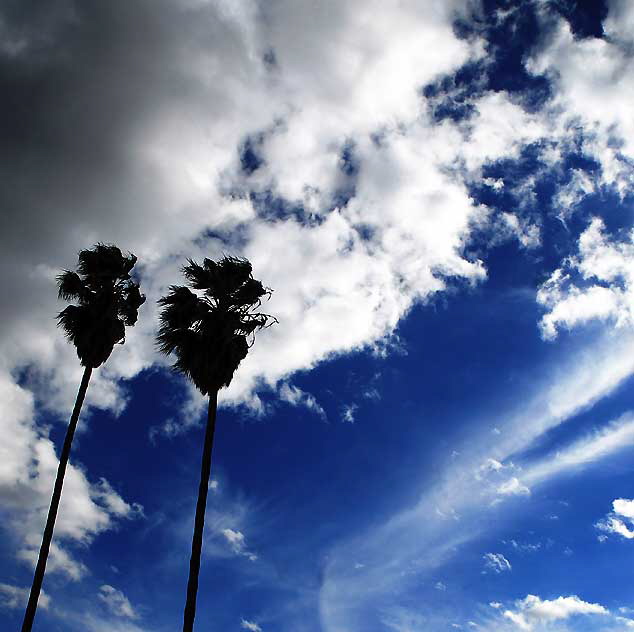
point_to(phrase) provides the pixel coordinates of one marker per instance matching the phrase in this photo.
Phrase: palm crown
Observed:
(108, 300)
(210, 332)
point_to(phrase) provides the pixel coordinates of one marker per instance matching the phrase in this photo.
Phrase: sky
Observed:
(439, 433)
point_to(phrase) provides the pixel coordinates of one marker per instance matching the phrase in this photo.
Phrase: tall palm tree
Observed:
(108, 300)
(210, 333)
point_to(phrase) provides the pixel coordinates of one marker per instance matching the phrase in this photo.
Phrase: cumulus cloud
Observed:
(532, 610)
(358, 207)
(336, 290)
(149, 158)
(587, 73)
(27, 472)
(375, 232)
(620, 520)
(596, 284)
(151, 161)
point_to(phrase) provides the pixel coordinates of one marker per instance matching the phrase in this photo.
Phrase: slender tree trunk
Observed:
(29, 615)
(199, 523)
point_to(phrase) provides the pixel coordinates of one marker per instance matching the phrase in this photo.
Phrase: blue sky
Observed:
(438, 434)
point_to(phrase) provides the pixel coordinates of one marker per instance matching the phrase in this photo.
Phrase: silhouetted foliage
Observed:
(210, 333)
(108, 300)
(210, 330)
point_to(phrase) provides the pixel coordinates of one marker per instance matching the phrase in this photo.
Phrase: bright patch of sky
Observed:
(439, 434)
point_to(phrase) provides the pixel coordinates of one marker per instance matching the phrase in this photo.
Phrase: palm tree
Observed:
(108, 300)
(210, 333)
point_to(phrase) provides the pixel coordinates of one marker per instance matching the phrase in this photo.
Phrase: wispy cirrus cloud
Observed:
(459, 508)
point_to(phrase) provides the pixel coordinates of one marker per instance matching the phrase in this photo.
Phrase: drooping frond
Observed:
(70, 286)
(107, 298)
(209, 333)
(218, 280)
(249, 294)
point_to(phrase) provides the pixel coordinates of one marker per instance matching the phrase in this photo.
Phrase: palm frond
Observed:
(235, 271)
(70, 286)
(70, 320)
(103, 260)
(200, 277)
(209, 333)
(182, 308)
(132, 300)
(108, 301)
(249, 294)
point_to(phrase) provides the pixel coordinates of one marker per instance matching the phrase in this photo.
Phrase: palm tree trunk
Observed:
(29, 615)
(199, 523)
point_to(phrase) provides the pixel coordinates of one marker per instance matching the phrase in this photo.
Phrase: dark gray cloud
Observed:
(81, 84)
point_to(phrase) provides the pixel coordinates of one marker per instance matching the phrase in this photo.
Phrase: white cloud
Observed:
(568, 196)
(624, 507)
(628, 623)
(59, 560)
(28, 466)
(421, 539)
(297, 397)
(512, 225)
(612, 438)
(491, 465)
(14, 597)
(496, 562)
(587, 74)
(620, 520)
(228, 520)
(532, 610)
(238, 544)
(116, 602)
(335, 290)
(250, 625)
(513, 487)
(606, 288)
(93, 623)
(348, 413)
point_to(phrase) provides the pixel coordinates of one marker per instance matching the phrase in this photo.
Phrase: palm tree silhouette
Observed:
(108, 300)
(210, 333)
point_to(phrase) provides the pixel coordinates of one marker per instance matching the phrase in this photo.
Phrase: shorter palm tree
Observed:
(210, 333)
(107, 300)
